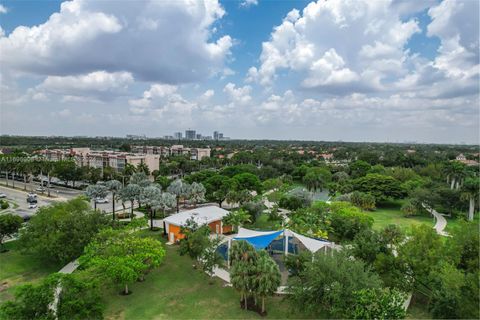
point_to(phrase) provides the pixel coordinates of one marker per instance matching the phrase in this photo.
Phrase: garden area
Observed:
(390, 212)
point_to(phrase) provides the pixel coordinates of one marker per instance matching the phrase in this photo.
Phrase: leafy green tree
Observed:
(329, 283)
(217, 188)
(237, 218)
(143, 167)
(346, 221)
(59, 232)
(248, 181)
(268, 277)
(378, 304)
(9, 225)
(67, 171)
(423, 250)
(195, 241)
(380, 186)
(409, 209)
(122, 256)
(31, 301)
(363, 200)
(210, 257)
(239, 196)
(359, 169)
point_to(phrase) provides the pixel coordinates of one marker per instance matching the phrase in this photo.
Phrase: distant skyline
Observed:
(373, 71)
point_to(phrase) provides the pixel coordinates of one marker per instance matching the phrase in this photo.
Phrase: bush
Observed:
(4, 204)
(347, 221)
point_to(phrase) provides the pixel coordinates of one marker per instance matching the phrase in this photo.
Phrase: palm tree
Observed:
(268, 277)
(237, 218)
(150, 196)
(141, 179)
(179, 189)
(165, 202)
(96, 191)
(470, 192)
(130, 193)
(243, 258)
(197, 193)
(114, 186)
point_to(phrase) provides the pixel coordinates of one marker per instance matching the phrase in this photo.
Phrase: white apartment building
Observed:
(102, 159)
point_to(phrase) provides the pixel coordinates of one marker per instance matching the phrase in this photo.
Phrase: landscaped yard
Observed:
(176, 290)
(455, 222)
(390, 213)
(17, 269)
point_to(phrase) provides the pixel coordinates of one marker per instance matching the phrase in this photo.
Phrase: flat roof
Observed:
(202, 216)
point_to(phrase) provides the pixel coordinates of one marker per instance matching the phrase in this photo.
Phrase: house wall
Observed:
(178, 235)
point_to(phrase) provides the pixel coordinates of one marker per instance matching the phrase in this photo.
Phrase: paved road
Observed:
(19, 197)
(441, 222)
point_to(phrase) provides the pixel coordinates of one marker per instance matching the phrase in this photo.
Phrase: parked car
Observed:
(40, 189)
(32, 206)
(32, 195)
(101, 200)
(31, 200)
(3, 195)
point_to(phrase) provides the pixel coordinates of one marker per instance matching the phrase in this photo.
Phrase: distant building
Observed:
(198, 136)
(175, 150)
(84, 157)
(215, 135)
(461, 157)
(136, 137)
(190, 134)
(178, 135)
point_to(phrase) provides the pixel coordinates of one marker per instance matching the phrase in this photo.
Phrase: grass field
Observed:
(455, 222)
(17, 269)
(177, 291)
(390, 213)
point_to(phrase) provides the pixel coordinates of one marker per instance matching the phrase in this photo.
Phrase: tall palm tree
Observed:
(243, 258)
(131, 193)
(470, 192)
(268, 277)
(197, 193)
(150, 196)
(114, 186)
(179, 189)
(165, 202)
(237, 218)
(96, 191)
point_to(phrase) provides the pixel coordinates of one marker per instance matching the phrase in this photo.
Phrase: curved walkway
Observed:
(441, 222)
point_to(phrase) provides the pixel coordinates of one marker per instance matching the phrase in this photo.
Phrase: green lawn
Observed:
(17, 269)
(390, 213)
(264, 223)
(176, 290)
(455, 222)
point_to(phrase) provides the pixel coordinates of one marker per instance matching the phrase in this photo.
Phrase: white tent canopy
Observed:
(313, 245)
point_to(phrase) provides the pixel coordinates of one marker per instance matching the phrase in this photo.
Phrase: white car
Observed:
(32, 195)
(3, 195)
(101, 200)
(32, 206)
(40, 189)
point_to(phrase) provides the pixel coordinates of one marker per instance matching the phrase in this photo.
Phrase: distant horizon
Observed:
(232, 139)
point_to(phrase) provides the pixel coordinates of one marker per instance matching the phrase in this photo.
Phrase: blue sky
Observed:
(390, 70)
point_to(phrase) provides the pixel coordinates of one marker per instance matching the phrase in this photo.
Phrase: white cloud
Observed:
(3, 9)
(99, 85)
(163, 41)
(334, 43)
(239, 95)
(248, 3)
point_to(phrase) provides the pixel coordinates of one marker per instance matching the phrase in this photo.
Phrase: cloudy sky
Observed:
(359, 70)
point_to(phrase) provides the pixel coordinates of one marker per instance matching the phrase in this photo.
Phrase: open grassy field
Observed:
(177, 291)
(390, 213)
(17, 269)
(455, 222)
